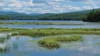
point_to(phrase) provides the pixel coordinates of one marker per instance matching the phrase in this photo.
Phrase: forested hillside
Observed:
(79, 15)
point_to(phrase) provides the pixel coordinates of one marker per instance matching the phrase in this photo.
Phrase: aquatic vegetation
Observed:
(14, 33)
(98, 43)
(53, 42)
(3, 50)
(3, 47)
(51, 31)
(41, 23)
(2, 40)
(4, 37)
(64, 38)
(69, 39)
(49, 44)
(27, 33)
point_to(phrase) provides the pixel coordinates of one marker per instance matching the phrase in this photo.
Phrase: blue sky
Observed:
(48, 6)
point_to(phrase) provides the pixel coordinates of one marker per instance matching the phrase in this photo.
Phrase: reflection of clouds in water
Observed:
(89, 49)
(21, 38)
(85, 48)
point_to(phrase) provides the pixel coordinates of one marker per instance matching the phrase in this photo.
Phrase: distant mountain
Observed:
(15, 13)
(64, 16)
(79, 15)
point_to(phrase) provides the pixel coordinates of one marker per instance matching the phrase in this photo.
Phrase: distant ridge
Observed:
(78, 15)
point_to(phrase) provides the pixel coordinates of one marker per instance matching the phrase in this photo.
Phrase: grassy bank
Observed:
(41, 23)
(51, 31)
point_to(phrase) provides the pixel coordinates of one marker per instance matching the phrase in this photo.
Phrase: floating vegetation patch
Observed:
(51, 44)
(54, 42)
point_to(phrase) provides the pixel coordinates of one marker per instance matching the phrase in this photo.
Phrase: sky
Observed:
(48, 6)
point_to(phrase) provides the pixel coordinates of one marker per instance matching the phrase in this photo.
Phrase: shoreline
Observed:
(41, 23)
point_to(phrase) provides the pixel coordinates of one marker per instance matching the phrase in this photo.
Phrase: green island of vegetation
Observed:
(53, 42)
(50, 31)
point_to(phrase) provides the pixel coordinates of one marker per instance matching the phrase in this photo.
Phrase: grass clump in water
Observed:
(50, 44)
(2, 40)
(53, 42)
(3, 50)
(68, 39)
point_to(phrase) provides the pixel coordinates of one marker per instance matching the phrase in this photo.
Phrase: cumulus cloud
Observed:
(94, 4)
(47, 6)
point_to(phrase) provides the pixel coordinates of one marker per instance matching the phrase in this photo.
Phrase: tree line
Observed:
(93, 15)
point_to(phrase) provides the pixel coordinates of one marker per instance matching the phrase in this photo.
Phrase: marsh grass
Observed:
(53, 42)
(2, 40)
(47, 32)
(41, 23)
(2, 50)
(69, 39)
(50, 44)
(51, 31)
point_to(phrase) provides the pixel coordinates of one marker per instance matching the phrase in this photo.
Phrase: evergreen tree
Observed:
(93, 16)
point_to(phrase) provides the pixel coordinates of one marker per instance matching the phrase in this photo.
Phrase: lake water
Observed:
(22, 47)
(86, 24)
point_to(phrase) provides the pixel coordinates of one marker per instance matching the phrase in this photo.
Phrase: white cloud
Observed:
(1, 4)
(45, 6)
(94, 4)
(87, 7)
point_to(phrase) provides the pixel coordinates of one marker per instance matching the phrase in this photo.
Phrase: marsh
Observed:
(26, 39)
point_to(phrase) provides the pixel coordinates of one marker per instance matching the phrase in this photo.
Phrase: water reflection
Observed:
(87, 24)
(21, 46)
(49, 26)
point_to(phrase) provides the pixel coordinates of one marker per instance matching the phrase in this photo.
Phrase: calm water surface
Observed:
(86, 24)
(22, 47)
